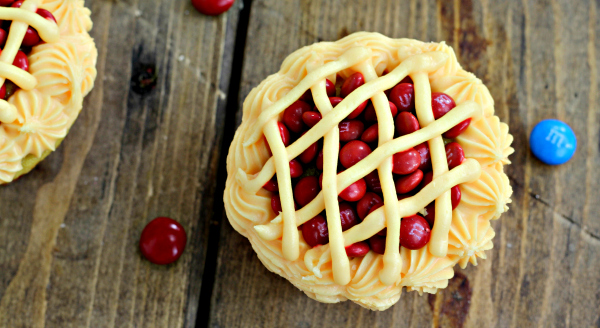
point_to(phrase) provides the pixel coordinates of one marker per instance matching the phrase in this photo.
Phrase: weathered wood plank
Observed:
(69, 230)
(539, 60)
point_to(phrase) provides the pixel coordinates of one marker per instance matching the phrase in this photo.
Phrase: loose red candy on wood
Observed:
(352, 83)
(351, 130)
(355, 191)
(306, 190)
(441, 104)
(348, 216)
(359, 249)
(414, 232)
(365, 204)
(315, 231)
(292, 116)
(403, 96)
(353, 152)
(454, 154)
(406, 123)
(163, 241)
(212, 7)
(409, 182)
(406, 162)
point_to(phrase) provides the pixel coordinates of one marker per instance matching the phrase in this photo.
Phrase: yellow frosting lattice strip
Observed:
(392, 262)
(22, 18)
(290, 243)
(438, 244)
(349, 58)
(340, 262)
(427, 62)
(467, 109)
(468, 171)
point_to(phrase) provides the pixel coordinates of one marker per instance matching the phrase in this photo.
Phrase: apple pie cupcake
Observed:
(47, 66)
(367, 165)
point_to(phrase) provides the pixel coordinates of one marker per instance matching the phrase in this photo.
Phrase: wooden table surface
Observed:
(69, 229)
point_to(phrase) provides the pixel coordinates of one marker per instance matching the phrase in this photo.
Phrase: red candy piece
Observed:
(457, 129)
(409, 182)
(427, 178)
(353, 152)
(31, 38)
(335, 101)
(3, 91)
(296, 169)
(407, 80)
(414, 232)
(315, 231)
(46, 14)
(17, 4)
(311, 118)
(371, 134)
(271, 185)
(21, 61)
(372, 180)
(306, 190)
(309, 153)
(359, 249)
(351, 130)
(292, 116)
(430, 217)
(455, 195)
(329, 88)
(358, 110)
(454, 154)
(365, 205)
(163, 241)
(276, 204)
(285, 133)
(355, 191)
(406, 162)
(377, 244)
(441, 104)
(212, 7)
(403, 96)
(320, 161)
(423, 150)
(3, 37)
(347, 216)
(352, 83)
(6, 3)
(406, 123)
(370, 114)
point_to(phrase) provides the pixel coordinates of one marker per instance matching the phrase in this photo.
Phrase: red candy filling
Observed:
(31, 39)
(358, 135)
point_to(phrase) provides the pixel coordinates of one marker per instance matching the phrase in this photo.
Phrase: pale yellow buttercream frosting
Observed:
(325, 272)
(62, 70)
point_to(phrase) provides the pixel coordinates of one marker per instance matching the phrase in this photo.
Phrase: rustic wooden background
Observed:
(69, 230)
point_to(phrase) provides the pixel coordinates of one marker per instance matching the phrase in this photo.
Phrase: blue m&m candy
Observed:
(553, 142)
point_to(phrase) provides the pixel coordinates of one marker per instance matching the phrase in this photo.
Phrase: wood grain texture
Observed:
(540, 60)
(69, 229)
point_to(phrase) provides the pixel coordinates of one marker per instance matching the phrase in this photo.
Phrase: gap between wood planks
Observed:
(231, 109)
